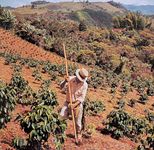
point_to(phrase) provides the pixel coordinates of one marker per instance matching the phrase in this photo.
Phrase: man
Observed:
(79, 88)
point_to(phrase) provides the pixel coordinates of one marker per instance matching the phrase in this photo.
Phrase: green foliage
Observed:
(131, 102)
(82, 26)
(121, 104)
(37, 75)
(7, 104)
(30, 33)
(45, 84)
(150, 90)
(132, 21)
(143, 98)
(27, 97)
(47, 97)
(87, 57)
(150, 116)
(96, 79)
(142, 42)
(40, 122)
(148, 142)
(94, 107)
(19, 143)
(18, 83)
(9, 58)
(120, 123)
(32, 63)
(7, 19)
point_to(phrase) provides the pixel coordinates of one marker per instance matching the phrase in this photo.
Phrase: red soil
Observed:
(98, 141)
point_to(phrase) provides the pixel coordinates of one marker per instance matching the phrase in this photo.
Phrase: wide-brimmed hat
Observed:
(82, 74)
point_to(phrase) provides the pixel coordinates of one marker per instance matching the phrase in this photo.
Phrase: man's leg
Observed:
(78, 116)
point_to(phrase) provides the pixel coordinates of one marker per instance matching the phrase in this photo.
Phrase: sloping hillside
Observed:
(13, 44)
(98, 13)
(16, 45)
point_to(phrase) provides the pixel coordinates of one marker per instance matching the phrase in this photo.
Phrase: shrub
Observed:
(30, 33)
(120, 123)
(96, 79)
(150, 90)
(87, 57)
(7, 19)
(26, 97)
(9, 58)
(82, 26)
(37, 75)
(132, 21)
(47, 97)
(142, 42)
(131, 103)
(39, 123)
(19, 143)
(94, 107)
(143, 98)
(18, 83)
(7, 104)
(147, 143)
(150, 116)
(121, 104)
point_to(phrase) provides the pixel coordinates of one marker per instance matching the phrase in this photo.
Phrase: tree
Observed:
(7, 19)
(82, 26)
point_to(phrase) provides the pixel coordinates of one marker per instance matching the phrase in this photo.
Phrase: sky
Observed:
(16, 3)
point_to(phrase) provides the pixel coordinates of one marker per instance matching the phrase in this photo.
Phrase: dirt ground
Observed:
(98, 141)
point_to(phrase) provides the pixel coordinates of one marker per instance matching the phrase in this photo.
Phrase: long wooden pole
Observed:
(70, 95)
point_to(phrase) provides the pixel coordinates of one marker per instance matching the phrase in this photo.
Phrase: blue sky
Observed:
(16, 3)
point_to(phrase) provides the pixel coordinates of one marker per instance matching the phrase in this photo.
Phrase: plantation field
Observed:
(117, 51)
(98, 140)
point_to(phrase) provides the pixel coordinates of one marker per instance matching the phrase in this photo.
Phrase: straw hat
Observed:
(82, 74)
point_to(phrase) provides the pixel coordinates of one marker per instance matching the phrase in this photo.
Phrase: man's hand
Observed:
(73, 105)
(66, 79)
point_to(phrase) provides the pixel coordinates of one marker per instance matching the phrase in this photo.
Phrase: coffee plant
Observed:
(143, 98)
(7, 104)
(150, 116)
(18, 83)
(120, 123)
(9, 58)
(27, 97)
(150, 90)
(131, 102)
(93, 107)
(37, 75)
(32, 63)
(45, 84)
(19, 143)
(39, 123)
(121, 104)
(148, 142)
(47, 97)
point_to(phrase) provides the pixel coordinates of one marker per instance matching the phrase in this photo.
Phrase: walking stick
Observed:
(70, 95)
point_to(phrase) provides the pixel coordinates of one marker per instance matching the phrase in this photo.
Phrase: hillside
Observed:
(119, 105)
(27, 50)
(98, 140)
(98, 13)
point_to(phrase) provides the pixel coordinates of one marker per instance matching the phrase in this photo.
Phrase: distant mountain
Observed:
(145, 9)
(95, 13)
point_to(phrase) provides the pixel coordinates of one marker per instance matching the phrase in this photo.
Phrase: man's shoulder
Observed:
(72, 77)
(86, 84)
